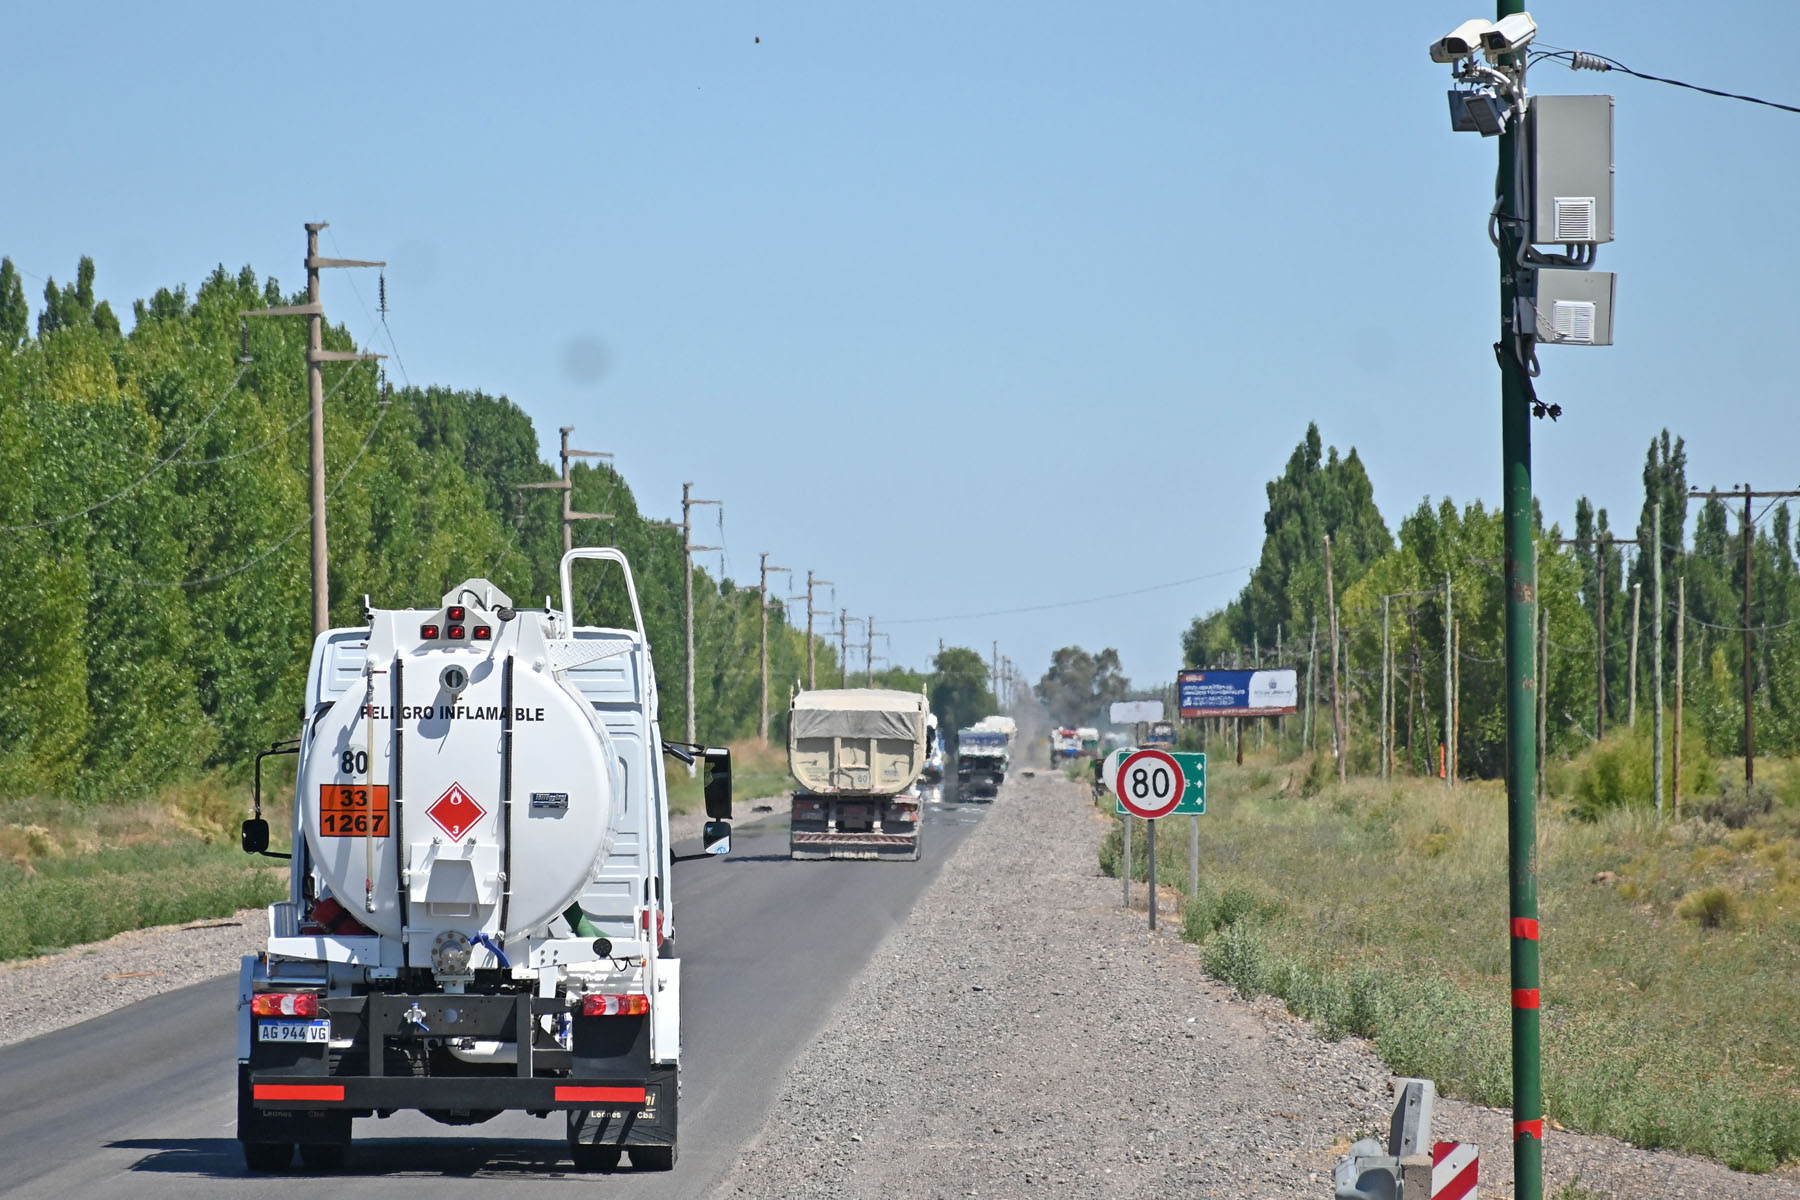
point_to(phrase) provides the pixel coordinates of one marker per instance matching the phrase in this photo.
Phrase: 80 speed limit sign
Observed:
(1150, 784)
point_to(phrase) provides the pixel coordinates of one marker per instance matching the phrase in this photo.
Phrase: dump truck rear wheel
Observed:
(589, 1157)
(322, 1156)
(267, 1156)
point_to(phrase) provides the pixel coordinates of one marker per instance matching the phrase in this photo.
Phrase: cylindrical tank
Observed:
(462, 789)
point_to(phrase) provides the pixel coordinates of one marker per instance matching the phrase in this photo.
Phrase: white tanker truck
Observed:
(480, 917)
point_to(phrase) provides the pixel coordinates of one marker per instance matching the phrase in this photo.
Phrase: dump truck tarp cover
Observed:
(857, 713)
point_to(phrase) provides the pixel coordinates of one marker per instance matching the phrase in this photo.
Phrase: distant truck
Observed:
(982, 759)
(1160, 735)
(856, 754)
(934, 751)
(1089, 737)
(1065, 746)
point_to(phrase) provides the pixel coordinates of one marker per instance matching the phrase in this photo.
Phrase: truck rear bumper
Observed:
(809, 844)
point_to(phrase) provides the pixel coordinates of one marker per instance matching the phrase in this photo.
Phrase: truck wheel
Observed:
(589, 1157)
(653, 1158)
(267, 1156)
(322, 1156)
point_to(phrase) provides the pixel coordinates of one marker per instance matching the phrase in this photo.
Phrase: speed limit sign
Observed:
(1150, 784)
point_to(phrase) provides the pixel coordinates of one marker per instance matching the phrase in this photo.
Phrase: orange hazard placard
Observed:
(352, 810)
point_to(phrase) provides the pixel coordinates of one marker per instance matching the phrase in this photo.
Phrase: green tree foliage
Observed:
(1079, 687)
(1318, 494)
(154, 499)
(960, 695)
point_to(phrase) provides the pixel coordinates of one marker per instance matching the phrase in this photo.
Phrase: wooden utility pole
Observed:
(1680, 659)
(1637, 604)
(1749, 648)
(994, 671)
(1309, 726)
(688, 550)
(316, 358)
(762, 591)
(1656, 657)
(565, 484)
(869, 649)
(812, 671)
(1449, 687)
(1456, 704)
(1385, 689)
(1602, 585)
(1337, 720)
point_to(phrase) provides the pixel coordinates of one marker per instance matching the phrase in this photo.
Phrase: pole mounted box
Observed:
(1571, 170)
(1573, 308)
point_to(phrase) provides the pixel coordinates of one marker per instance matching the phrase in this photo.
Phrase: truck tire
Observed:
(262, 1157)
(653, 1158)
(589, 1157)
(323, 1156)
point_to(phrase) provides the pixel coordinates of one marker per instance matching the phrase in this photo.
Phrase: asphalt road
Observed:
(142, 1102)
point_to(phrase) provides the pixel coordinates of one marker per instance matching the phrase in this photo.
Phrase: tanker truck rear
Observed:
(480, 916)
(856, 754)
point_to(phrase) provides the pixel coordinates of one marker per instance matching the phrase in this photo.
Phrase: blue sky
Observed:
(965, 306)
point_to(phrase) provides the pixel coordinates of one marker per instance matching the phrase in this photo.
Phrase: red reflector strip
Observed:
(299, 1091)
(1525, 998)
(602, 1095)
(1529, 1129)
(1525, 927)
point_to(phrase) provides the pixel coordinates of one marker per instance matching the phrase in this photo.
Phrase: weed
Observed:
(1713, 907)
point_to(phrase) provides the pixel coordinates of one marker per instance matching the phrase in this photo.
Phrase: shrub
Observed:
(1713, 907)
(1736, 806)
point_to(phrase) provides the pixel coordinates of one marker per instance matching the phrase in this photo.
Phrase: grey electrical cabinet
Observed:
(1571, 170)
(1573, 308)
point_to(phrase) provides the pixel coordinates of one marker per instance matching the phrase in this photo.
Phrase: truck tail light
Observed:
(615, 1006)
(484, 633)
(455, 612)
(285, 1004)
(428, 632)
(456, 633)
(644, 921)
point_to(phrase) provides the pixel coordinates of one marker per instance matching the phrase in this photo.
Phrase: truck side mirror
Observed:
(718, 784)
(715, 837)
(255, 836)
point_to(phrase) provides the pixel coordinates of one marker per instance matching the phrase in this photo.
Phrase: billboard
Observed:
(1239, 693)
(1130, 712)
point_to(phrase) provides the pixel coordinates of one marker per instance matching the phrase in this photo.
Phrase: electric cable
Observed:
(281, 436)
(1579, 60)
(146, 476)
(1003, 612)
(272, 550)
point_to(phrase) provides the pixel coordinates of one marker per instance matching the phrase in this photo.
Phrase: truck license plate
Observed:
(293, 1031)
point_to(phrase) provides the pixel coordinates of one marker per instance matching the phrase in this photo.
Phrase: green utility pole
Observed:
(1521, 656)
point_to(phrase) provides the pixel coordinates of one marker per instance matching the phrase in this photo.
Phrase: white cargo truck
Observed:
(982, 759)
(480, 916)
(856, 754)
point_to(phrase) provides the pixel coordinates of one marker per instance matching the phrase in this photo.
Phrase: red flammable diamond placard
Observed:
(456, 812)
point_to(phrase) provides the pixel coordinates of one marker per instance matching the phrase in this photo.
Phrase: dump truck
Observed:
(982, 760)
(480, 916)
(856, 754)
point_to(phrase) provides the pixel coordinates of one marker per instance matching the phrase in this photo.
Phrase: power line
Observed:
(282, 436)
(1003, 612)
(1579, 60)
(272, 550)
(146, 476)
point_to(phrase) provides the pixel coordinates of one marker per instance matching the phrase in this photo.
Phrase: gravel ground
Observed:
(1021, 1035)
(38, 995)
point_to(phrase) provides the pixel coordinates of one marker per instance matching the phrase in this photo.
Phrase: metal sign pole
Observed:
(1151, 851)
(1194, 857)
(1126, 873)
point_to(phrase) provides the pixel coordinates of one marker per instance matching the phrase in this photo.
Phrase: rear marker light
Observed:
(455, 612)
(428, 632)
(285, 1004)
(456, 633)
(615, 1006)
(483, 633)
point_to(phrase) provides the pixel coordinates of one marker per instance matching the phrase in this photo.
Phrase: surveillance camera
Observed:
(1461, 42)
(1509, 35)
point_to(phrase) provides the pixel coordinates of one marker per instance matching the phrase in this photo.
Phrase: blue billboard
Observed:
(1238, 693)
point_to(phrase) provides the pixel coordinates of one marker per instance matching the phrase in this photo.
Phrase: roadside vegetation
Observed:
(1671, 948)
